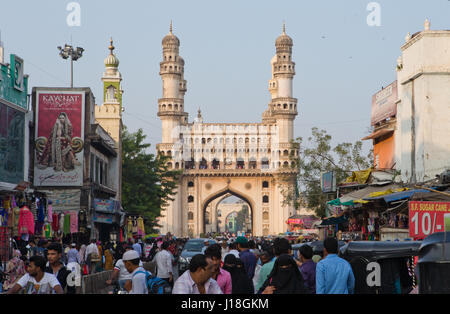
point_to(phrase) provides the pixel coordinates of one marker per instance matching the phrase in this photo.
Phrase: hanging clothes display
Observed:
(140, 227)
(26, 221)
(66, 225)
(73, 222)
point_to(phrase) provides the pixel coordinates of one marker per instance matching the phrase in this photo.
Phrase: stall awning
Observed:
(396, 196)
(363, 193)
(334, 221)
(379, 133)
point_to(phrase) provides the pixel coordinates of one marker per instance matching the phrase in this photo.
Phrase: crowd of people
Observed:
(266, 267)
(241, 266)
(40, 266)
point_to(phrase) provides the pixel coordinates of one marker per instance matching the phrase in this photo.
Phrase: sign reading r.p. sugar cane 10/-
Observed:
(426, 218)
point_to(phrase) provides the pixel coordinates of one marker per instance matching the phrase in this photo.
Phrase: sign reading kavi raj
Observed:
(426, 218)
(59, 138)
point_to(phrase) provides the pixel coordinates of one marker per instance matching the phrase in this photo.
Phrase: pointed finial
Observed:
(111, 47)
(408, 37)
(284, 27)
(170, 26)
(427, 25)
(199, 113)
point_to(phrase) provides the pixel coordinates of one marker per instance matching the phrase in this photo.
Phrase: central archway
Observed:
(233, 193)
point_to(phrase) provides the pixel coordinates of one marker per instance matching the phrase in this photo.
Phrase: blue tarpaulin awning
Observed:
(396, 196)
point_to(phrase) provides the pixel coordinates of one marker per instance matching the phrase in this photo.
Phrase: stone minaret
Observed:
(283, 106)
(171, 105)
(109, 114)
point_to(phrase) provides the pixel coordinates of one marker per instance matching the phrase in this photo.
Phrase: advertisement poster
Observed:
(426, 218)
(59, 138)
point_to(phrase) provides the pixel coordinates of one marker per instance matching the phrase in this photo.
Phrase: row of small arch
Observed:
(265, 184)
(285, 164)
(293, 152)
(169, 107)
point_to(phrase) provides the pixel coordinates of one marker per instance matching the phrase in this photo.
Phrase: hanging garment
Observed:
(39, 228)
(33, 210)
(41, 211)
(50, 214)
(55, 223)
(3, 217)
(135, 231)
(66, 227)
(73, 222)
(26, 221)
(48, 231)
(16, 218)
(61, 222)
(140, 226)
(130, 229)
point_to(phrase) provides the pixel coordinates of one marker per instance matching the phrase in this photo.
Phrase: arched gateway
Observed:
(252, 161)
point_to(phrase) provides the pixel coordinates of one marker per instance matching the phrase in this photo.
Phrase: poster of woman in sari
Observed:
(59, 139)
(58, 152)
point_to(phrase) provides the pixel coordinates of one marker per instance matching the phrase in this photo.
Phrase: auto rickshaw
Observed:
(382, 267)
(434, 264)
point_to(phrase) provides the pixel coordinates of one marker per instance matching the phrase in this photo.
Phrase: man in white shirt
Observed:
(233, 250)
(92, 256)
(138, 274)
(37, 281)
(197, 280)
(120, 272)
(164, 264)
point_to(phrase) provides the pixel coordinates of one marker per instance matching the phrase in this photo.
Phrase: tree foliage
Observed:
(147, 183)
(317, 156)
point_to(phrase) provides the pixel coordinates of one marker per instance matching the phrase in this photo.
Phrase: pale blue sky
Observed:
(227, 46)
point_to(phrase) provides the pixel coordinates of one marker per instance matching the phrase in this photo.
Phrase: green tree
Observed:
(147, 182)
(241, 217)
(317, 156)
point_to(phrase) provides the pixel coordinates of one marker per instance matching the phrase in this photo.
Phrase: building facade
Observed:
(422, 142)
(253, 161)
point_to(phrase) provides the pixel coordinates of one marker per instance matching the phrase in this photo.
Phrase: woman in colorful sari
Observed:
(15, 269)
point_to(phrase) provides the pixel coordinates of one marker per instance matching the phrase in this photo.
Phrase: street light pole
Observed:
(74, 54)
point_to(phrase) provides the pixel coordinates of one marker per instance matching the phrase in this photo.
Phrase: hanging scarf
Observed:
(73, 222)
(50, 213)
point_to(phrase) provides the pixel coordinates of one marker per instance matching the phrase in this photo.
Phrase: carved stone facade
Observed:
(253, 161)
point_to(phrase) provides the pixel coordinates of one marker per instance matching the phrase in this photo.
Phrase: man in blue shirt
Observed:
(247, 257)
(334, 275)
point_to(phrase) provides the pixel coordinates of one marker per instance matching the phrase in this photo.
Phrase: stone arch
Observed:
(230, 191)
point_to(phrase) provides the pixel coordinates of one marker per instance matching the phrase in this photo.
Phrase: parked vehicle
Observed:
(190, 249)
(434, 264)
(382, 267)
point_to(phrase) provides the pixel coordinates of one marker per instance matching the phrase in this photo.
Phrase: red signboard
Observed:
(426, 218)
(384, 103)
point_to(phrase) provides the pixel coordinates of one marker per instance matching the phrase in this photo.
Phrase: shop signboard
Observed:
(103, 218)
(426, 218)
(13, 83)
(64, 200)
(59, 138)
(384, 103)
(12, 144)
(328, 182)
(106, 206)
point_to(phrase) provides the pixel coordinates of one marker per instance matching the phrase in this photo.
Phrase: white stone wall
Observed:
(424, 80)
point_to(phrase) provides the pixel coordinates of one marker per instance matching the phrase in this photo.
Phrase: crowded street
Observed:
(238, 149)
